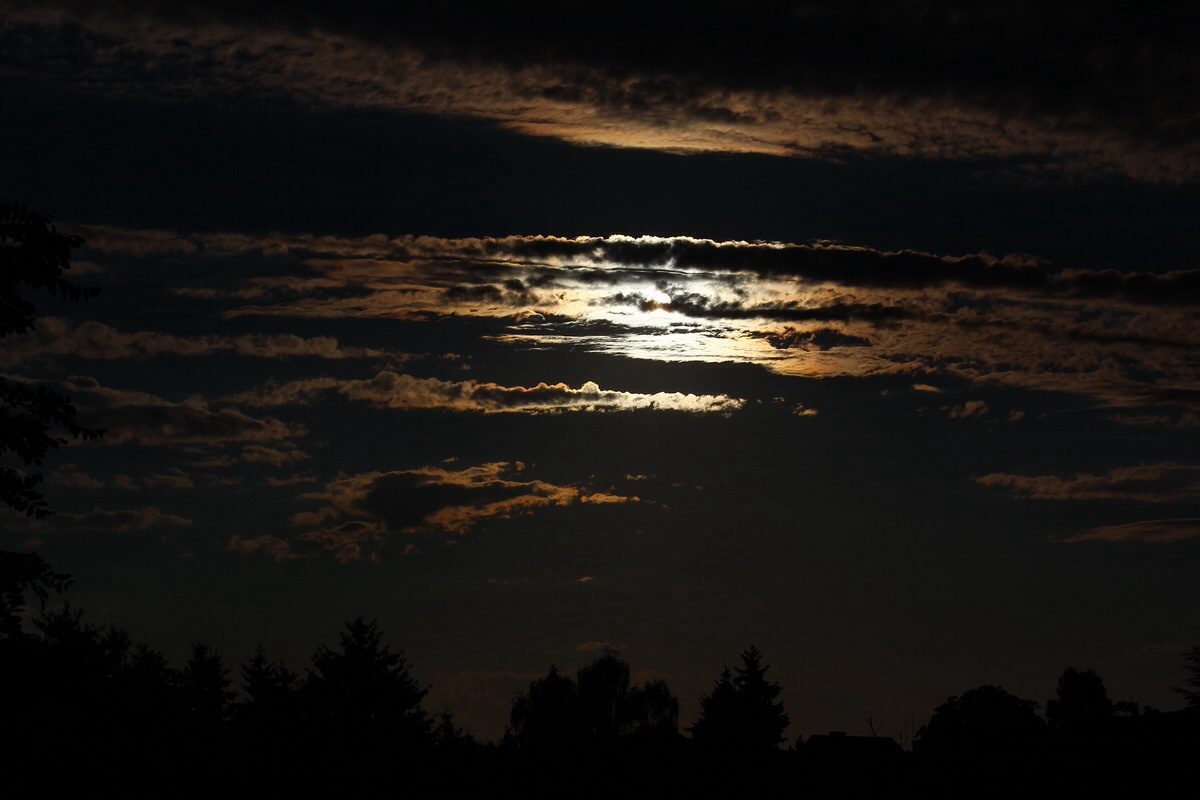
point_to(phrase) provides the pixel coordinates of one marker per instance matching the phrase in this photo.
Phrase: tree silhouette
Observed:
(742, 713)
(546, 717)
(1081, 711)
(271, 694)
(652, 712)
(33, 255)
(598, 710)
(987, 728)
(204, 682)
(603, 689)
(364, 691)
(1191, 688)
(21, 573)
(718, 726)
(447, 735)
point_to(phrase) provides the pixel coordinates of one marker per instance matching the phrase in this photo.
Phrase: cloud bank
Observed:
(820, 80)
(1124, 339)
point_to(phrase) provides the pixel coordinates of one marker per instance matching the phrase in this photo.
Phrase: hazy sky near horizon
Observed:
(862, 332)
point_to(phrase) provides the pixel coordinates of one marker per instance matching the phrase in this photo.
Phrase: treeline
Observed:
(80, 700)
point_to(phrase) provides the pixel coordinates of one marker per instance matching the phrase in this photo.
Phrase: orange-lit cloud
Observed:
(395, 390)
(1147, 483)
(114, 520)
(146, 419)
(1125, 339)
(1159, 531)
(94, 340)
(803, 83)
(363, 510)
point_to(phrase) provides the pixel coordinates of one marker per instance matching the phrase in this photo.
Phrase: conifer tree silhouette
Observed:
(743, 712)
(204, 683)
(270, 692)
(364, 691)
(1191, 688)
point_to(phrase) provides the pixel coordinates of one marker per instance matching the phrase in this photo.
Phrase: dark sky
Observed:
(862, 332)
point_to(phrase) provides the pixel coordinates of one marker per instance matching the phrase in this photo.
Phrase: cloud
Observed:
(1124, 339)
(123, 481)
(1188, 419)
(1160, 531)
(174, 478)
(276, 548)
(273, 456)
(1147, 483)
(133, 417)
(593, 647)
(971, 408)
(1017, 86)
(117, 521)
(361, 511)
(586, 579)
(71, 475)
(396, 390)
(55, 337)
(290, 480)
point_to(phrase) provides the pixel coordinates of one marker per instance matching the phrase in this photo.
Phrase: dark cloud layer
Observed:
(1076, 86)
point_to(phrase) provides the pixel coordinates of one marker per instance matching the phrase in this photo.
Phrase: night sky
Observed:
(862, 332)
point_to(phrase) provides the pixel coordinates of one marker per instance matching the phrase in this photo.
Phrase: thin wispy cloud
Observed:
(400, 391)
(1156, 531)
(1146, 483)
(113, 520)
(54, 337)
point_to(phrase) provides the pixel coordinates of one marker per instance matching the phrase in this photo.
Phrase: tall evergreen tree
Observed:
(1191, 689)
(743, 712)
(717, 727)
(363, 690)
(270, 692)
(204, 684)
(758, 699)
